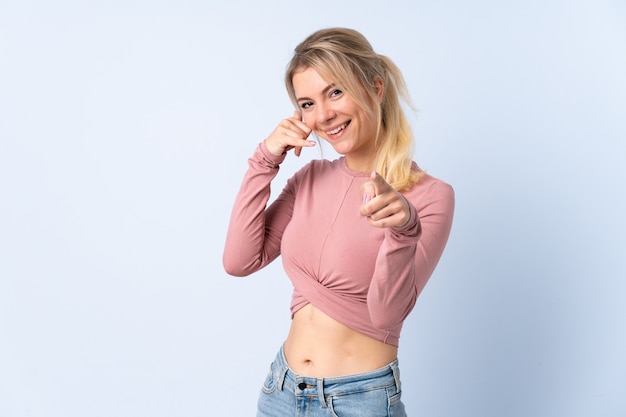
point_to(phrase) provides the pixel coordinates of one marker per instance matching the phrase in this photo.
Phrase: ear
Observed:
(379, 86)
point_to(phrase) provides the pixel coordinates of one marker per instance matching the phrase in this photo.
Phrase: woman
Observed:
(359, 236)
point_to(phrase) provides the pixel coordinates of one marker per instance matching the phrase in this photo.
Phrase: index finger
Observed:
(380, 183)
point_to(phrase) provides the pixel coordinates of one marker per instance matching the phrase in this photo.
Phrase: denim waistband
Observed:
(384, 377)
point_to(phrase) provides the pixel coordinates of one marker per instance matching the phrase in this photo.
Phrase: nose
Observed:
(325, 113)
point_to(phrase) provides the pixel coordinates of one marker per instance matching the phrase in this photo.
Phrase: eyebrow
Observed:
(324, 91)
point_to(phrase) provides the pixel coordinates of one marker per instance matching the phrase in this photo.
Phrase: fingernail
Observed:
(366, 198)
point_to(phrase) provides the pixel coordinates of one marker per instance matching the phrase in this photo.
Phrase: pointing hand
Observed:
(382, 204)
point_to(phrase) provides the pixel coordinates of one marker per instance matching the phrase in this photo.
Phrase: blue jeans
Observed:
(370, 394)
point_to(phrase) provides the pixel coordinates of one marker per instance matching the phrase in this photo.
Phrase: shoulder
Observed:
(429, 191)
(325, 165)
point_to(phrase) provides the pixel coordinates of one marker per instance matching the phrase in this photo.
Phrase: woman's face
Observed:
(336, 117)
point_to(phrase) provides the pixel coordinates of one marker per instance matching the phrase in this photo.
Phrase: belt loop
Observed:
(281, 377)
(320, 392)
(396, 374)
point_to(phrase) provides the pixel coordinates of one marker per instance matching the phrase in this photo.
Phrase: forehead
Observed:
(309, 80)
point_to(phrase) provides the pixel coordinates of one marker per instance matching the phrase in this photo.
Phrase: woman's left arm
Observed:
(409, 253)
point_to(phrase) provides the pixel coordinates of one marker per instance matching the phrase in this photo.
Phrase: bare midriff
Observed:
(319, 346)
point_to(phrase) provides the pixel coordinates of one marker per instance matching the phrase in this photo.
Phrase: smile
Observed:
(337, 129)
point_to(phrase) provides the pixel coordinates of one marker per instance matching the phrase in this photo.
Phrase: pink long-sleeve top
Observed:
(365, 277)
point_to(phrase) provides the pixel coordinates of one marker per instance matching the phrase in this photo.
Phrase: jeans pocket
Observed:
(373, 403)
(396, 407)
(269, 385)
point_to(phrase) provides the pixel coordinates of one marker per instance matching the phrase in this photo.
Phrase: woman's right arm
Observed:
(249, 244)
(254, 233)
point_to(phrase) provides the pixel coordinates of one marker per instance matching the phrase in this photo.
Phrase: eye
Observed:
(305, 105)
(336, 93)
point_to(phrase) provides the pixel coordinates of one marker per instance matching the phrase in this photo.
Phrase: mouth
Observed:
(338, 129)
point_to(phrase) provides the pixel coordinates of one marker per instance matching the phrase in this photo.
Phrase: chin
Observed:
(341, 150)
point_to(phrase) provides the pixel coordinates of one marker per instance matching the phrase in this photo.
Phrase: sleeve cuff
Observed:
(268, 156)
(413, 227)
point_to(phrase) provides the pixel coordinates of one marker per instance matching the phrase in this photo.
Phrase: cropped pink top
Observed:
(365, 277)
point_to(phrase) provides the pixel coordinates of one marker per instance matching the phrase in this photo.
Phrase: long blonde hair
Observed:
(346, 57)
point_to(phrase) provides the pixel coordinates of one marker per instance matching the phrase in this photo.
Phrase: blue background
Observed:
(124, 132)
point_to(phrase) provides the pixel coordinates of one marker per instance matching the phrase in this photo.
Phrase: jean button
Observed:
(302, 385)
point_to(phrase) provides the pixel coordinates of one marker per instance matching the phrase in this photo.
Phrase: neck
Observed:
(366, 164)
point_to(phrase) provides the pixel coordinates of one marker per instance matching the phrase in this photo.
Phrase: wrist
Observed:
(271, 156)
(274, 150)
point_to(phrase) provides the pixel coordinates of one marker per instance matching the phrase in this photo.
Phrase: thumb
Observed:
(368, 191)
(375, 186)
(297, 115)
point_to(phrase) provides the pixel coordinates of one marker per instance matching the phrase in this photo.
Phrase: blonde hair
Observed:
(346, 57)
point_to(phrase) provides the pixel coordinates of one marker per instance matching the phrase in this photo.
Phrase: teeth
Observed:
(337, 129)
